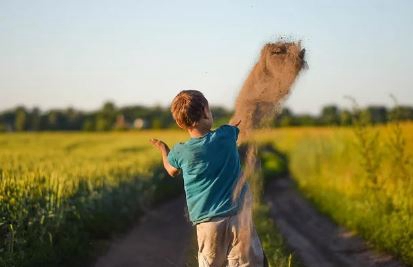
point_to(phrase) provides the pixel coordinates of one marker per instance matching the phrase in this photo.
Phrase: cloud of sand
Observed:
(260, 99)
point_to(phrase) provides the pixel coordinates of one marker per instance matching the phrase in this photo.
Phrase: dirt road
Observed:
(161, 238)
(313, 237)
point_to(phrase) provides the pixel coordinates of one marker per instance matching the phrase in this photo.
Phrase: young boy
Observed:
(211, 168)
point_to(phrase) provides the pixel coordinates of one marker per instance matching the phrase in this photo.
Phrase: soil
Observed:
(266, 87)
(160, 238)
(313, 237)
(164, 237)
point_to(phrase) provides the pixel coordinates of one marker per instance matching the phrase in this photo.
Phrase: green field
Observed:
(60, 191)
(63, 192)
(362, 178)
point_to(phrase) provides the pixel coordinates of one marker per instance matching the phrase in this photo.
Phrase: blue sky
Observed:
(82, 53)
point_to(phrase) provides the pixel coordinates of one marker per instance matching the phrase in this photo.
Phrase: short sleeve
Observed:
(231, 130)
(172, 158)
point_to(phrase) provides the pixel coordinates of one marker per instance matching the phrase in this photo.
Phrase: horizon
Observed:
(340, 108)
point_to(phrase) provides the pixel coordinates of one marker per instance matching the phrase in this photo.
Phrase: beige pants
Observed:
(230, 241)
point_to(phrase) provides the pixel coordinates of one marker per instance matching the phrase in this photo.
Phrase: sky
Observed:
(56, 54)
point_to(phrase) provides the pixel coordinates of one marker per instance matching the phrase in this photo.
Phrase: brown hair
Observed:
(188, 108)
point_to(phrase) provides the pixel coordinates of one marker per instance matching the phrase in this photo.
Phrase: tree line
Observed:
(110, 117)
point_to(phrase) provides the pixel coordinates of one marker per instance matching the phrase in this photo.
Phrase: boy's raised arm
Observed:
(164, 149)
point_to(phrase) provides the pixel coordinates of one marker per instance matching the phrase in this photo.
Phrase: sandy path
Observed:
(163, 237)
(314, 238)
(160, 238)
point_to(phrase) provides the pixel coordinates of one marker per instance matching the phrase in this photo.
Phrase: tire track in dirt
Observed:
(161, 238)
(313, 237)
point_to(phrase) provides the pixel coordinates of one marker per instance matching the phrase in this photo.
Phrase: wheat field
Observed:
(59, 191)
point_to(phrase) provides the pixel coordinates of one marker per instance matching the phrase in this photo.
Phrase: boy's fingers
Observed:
(153, 141)
(157, 143)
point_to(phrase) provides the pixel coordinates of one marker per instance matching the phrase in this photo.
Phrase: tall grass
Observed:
(273, 165)
(361, 177)
(60, 192)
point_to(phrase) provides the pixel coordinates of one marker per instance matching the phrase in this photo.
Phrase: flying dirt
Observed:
(262, 94)
(260, 99)
(267, 85)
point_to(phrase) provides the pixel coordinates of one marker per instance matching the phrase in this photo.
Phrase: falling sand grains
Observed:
(260, 99)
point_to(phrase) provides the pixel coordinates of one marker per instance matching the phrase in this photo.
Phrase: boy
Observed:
(211, 168)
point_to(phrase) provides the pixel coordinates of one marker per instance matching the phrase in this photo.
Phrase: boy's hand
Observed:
(159, 145)
(236, 124)
(164, 149)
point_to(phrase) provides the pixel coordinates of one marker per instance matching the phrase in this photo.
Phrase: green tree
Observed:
(156, 124)
(88, 125)
(305, 120)
(286, 118)
(330, 115)
(376, 114)
(73, 119)
(402, 113)
(106, 117)
(102, 124)
(56, 120)
(2, 127)
(35, 119)
(20, 122)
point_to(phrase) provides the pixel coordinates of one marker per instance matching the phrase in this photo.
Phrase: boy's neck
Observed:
(196, 132)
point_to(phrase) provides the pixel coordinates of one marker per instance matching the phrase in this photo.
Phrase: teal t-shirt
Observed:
(211, 168)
